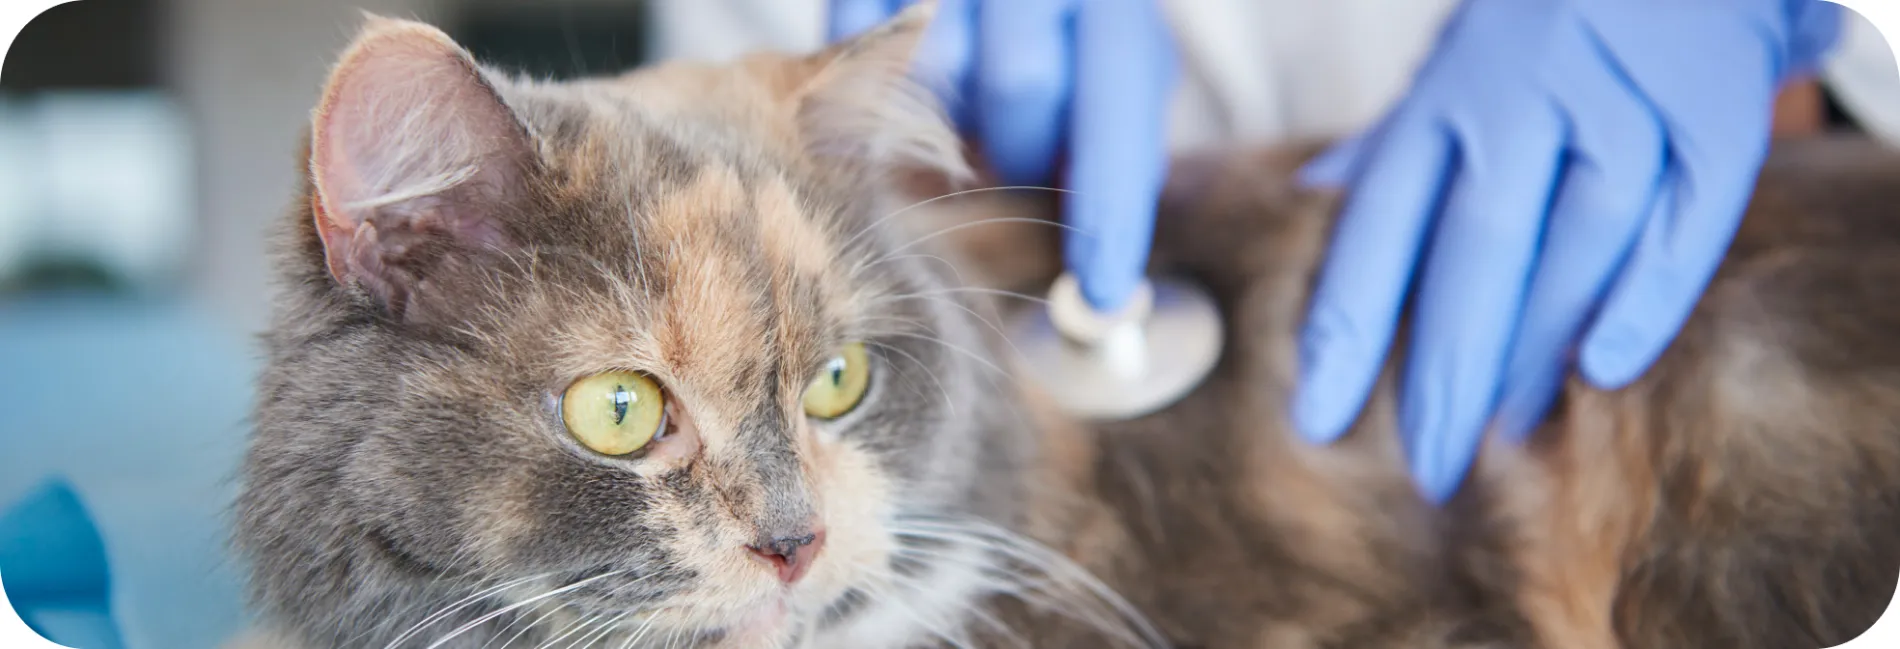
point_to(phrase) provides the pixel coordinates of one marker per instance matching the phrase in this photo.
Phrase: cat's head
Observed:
(649, 354)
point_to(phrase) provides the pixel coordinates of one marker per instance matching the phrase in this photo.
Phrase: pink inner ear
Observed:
(407, 116)
(409, 129)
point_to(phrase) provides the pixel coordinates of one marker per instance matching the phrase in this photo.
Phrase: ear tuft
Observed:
(865, 105)
(412, 154)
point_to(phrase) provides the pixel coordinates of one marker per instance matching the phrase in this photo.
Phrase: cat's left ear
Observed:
(863, 105)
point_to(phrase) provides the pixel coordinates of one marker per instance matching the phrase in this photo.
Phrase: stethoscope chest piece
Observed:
(1124, 365)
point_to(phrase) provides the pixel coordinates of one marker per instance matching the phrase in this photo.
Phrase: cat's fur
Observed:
(468, 243)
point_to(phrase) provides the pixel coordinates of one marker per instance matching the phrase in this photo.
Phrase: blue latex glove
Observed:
(1564, 176)
(1037, 83)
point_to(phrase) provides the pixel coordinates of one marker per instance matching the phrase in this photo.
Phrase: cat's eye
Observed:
(840, 384)
(616, 413)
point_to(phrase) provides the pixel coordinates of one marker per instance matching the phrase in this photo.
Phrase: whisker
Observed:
(457, 606)
(947, 345)
(846, 246)
(956, 228)
(524, 630)
(973, 313)
(910, 324)
(969, 289)
(674, 636)
(599, 632)
(1006, 580)
(639, 256)
(1050, 595)
(947, 403)
(572, 628)
(639, 633)
(954, 271)
(530, 601)
(1035, 555)
(975, 610)
(897, 604)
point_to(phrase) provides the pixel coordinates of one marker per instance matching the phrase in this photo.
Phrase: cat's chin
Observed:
(768, 625)
(769, 622)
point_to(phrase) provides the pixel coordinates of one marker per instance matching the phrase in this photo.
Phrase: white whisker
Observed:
(599, 632)
(639, 633)
(979, 317)
(969, 289)
(457, 606)
(524, 630)
(856, 269)
(1046, 594)
(947, 404)
(1033, 555)
(896, 603)
(572, 628)
(954, 271)
(846, 246)
(530, 601)
(947, 345)
(976, 610)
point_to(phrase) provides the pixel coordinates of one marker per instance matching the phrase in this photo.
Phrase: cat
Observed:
(691, 357)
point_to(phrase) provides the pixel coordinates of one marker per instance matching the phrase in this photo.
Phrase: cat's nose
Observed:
(790, 555)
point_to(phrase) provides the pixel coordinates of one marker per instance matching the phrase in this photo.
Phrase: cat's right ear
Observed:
(864, 104)
(413, 157)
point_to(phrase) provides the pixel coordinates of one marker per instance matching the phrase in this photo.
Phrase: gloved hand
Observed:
(1083, 83)
(1564, 175)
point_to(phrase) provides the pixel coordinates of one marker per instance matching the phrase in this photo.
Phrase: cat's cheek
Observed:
(857, 500)
(827, 434)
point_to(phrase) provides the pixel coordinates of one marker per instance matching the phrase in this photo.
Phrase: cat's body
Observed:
(1744, 493)
(469, 245)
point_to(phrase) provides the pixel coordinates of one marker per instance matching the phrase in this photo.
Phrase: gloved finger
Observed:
(1472, 287)
(1354, 308)
(849, 17)
(1718, 138)
(1817, 27)
(1333, 167)
(1125, 74)
(1025, 60)
(1676, 256)
(1608, 189)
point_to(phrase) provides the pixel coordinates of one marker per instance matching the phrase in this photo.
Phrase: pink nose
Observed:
(791, 556)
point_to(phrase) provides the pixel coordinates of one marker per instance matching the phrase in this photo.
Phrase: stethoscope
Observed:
(1124, 364)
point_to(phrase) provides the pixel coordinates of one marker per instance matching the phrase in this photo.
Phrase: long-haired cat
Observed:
(675, 359)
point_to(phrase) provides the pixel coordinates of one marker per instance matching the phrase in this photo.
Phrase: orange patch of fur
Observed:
(1575, 504)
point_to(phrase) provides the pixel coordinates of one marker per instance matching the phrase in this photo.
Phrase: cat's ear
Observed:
(864, 103)
(413, 156)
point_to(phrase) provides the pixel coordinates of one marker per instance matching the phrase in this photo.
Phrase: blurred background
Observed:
(145, 148)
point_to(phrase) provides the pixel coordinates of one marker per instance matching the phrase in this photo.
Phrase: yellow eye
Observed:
(840, 385)
(615, 413)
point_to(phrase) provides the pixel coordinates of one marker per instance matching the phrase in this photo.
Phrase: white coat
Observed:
(1263, 70)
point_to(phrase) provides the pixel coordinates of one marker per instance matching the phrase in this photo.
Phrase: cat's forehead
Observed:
(656, 125)
(701, 160)
(686, 197)
(729, 267)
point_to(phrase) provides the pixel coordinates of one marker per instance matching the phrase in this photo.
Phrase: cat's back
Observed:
(1765, 444)
(1745, 492)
